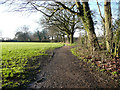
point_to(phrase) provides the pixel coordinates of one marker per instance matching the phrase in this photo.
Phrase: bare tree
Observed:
(65, 22)
(81, 9)
(108, 24)
(22, 34)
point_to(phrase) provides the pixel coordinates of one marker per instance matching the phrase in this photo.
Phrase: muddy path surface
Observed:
(66, 71)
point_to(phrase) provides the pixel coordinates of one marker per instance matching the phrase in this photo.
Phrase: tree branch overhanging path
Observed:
(83, 11)
(64, 18)
(80, 9)
(85, 15)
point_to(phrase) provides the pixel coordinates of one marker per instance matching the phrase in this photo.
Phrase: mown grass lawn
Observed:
(15, 56)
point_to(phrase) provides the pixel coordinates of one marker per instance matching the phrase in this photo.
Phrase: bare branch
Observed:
(72, 6)
(68, 9)
(62, 29)
(44, 12)
(100, 12)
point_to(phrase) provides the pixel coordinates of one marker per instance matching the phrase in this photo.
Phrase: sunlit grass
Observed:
(73, 44)
(15, 57)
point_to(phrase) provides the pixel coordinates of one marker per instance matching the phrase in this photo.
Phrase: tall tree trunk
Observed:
(68, 38)
(71, 38)
(52, 37)
(38, 34)
(63, 36)
(117, 43)
(89, 26)
(57, 39)
(104, 37)
(85, 15)
(117, 39)
(61, 40)
(86, 39)
(108, 24)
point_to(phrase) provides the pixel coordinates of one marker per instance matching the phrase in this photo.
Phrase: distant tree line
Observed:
(50, 34)
(63, 18)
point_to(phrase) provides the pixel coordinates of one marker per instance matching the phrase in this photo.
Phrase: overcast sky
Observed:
(9, 22)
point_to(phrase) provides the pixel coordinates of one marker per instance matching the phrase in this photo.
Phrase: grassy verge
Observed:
(73, 44)
(18, 59)
(101, 61)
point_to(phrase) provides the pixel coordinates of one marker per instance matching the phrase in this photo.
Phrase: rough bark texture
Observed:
(68, 38)
(117, 42)
(108, 25)
(89, 26)
(63, 38)
(85, 15)
(71, 38)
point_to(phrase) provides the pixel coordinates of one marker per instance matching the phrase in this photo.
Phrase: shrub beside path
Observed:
(66, 71)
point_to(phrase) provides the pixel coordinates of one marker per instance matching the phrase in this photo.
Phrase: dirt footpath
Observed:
(66, 71)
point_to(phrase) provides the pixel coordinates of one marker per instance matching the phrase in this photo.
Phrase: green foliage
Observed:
(102, 70)
(115, 72)
(73, 44)
(73, 50)
(15, 59)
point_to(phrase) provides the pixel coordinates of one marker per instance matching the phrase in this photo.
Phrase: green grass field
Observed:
(15, 56)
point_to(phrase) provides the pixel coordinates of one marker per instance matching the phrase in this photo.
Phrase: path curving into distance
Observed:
(66, 71)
